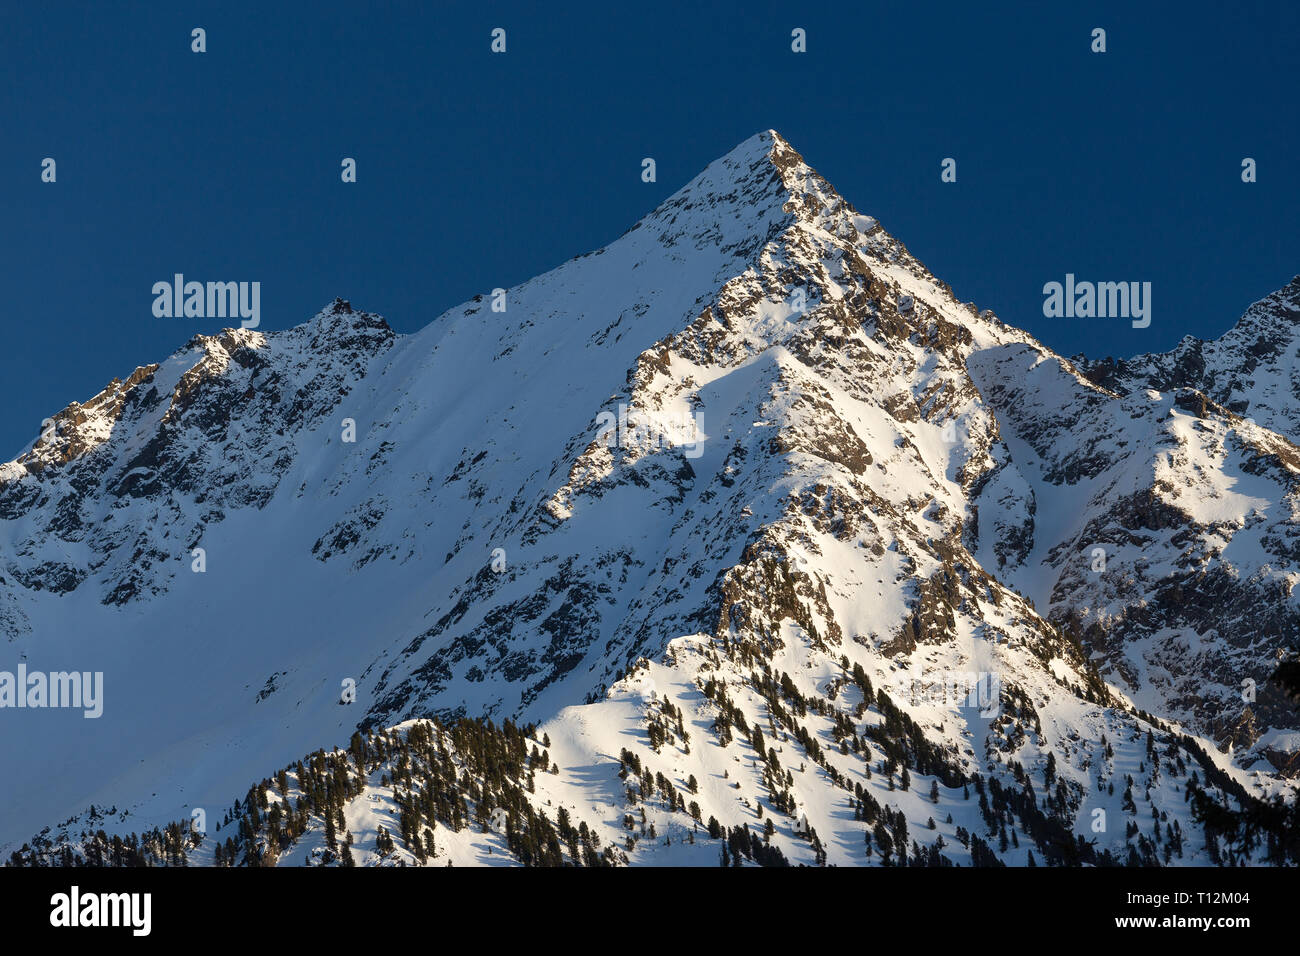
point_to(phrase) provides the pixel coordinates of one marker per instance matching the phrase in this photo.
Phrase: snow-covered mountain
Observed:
(742, 521)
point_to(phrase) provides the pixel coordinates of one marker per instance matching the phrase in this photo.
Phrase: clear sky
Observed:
(477, 170)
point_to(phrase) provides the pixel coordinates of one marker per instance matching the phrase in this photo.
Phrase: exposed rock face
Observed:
(134, 476)
(752, 451)
(1204, 609)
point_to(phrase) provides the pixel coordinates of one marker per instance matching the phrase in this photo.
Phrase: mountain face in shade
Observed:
(741, 519)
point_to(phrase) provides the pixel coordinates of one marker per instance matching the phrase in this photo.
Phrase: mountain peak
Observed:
(342, 326)
(760, 144)
(1249, 369)
(1279, 307)
(761, 174)
(754, 193)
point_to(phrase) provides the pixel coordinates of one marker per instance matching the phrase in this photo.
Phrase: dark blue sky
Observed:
(478, 170)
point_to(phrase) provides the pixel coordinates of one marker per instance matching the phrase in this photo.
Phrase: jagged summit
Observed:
(741, 198)
(1253, 369)
(746, 173)
(341, 312)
